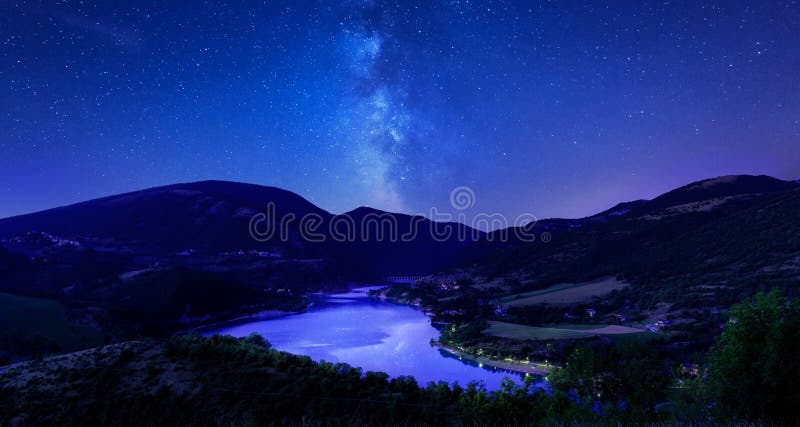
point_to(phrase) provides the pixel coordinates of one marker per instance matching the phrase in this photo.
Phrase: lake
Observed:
(374, 335)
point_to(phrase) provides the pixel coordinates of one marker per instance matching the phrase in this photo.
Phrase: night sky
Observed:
(551, 108)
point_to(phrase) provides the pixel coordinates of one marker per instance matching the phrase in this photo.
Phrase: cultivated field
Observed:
(562, 332)
(565, 293)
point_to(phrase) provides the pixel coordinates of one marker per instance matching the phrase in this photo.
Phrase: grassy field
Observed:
(572, 326)
(565, 293)
(38, 317)
(562, 332)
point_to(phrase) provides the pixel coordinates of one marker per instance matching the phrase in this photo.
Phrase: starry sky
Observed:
(559, 109)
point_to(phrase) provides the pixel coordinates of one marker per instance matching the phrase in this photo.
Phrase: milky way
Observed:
(550, 108)
(375, 122)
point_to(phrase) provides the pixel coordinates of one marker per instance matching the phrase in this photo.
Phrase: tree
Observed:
(754, 367)
(627, 379)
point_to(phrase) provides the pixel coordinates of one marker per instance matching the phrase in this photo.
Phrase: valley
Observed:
(652, 280)
(399, 213)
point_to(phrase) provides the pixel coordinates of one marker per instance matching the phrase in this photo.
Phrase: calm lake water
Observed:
(374, 335)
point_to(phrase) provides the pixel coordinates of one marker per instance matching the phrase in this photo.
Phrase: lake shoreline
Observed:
(381, 336)
(268, 314)
(529, 369)
(258, 315)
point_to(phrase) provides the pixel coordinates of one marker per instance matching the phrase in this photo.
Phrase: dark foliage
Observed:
(754, 368)
(229, 381)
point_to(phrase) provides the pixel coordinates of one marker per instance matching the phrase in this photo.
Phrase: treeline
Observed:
(753, 370)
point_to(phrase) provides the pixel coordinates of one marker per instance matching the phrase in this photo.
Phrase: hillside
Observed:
(201, 215)
(736, 236)
(686, 256)
(719, 188)
(211, 217)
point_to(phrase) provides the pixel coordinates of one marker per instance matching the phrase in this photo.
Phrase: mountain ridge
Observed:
(725, 185)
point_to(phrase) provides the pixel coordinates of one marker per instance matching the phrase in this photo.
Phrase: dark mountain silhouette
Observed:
(214, 216)
(201, 215)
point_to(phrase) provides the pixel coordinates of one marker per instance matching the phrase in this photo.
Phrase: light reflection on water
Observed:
(373, 335)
